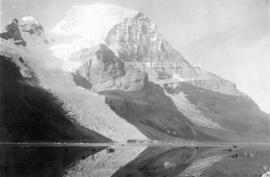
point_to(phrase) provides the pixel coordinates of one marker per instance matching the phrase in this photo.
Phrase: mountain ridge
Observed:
(114, 83)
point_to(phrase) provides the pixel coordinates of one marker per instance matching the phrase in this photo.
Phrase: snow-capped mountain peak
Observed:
(92, 21)
(31, 26)
(33, 32)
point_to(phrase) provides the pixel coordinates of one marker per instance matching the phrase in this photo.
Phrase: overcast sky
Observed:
(228, 37)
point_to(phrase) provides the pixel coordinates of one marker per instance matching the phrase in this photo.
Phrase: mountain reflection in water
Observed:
(133, 161)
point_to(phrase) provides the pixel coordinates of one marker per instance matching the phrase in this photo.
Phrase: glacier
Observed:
(88, 108)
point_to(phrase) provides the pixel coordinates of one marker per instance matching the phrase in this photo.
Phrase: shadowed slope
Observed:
(154, 113)
(30, 113)
(239, 114)
(159, 162)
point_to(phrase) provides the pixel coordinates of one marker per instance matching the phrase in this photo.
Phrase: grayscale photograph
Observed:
(135, 88)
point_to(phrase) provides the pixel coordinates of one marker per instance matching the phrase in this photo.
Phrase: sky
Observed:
(228, 37)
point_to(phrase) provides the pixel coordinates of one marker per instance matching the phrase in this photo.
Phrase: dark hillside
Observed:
(30, 113)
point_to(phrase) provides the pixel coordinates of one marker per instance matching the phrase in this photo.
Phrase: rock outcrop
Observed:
(13, 32)
(27, 31)
(105, 71)
(139, 40)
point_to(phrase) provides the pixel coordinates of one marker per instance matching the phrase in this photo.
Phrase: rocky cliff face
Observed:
(13, 32)
(105, 71)
(137, 39)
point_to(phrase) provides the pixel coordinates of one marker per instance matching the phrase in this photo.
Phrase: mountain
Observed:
(118, 76)
(133, 37)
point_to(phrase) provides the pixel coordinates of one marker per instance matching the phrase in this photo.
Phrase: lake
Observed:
(134, 161)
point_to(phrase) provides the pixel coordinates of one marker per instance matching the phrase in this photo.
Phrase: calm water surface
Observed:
(134, 161)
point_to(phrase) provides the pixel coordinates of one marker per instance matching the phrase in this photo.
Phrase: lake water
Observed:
(133, 161)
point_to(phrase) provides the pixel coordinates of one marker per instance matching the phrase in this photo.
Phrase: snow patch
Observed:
(29, 19)
(191, 112)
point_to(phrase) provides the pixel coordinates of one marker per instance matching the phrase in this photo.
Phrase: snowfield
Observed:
(90, 25)
(92, 21)
(87, 108)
